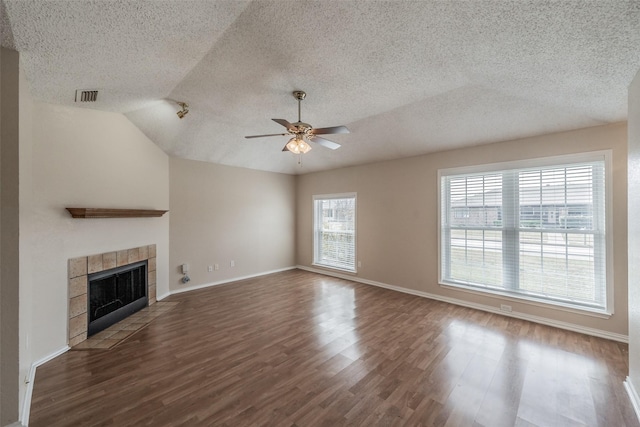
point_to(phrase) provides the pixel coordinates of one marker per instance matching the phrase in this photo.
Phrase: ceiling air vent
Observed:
(86, 95)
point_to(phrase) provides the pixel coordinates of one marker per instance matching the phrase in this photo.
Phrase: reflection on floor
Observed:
(117, 333)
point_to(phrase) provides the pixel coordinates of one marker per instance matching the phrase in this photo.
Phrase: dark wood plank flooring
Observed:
(301, 349)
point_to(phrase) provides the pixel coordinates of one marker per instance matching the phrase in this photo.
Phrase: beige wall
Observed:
(84, 158)
(634, 232)
(221, 214)
(26, 263)
(397, 240)
(9, 231)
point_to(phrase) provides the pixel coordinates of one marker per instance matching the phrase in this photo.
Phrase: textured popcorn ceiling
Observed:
(406, 77)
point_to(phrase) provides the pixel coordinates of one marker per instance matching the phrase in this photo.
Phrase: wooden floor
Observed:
(300, 349)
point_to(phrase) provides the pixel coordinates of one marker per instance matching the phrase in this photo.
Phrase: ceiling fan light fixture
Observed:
(303, 146)
(298, 145)
(292, 146)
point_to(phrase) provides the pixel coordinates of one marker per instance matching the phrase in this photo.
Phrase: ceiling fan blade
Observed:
(330, 130)
(325, 142)
(285, 123)
(262, 136)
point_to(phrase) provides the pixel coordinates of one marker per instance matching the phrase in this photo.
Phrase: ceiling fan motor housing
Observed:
(302, 127)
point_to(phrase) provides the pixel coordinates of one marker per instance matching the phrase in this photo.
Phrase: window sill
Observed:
(602, 314)
(331, 267)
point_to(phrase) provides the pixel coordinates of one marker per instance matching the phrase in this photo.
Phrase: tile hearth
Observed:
(122, 330)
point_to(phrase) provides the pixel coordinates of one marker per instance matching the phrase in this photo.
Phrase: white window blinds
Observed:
(335, 231)
(534, 232)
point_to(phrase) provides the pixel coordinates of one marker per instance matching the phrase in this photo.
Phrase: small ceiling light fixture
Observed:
(184, 111)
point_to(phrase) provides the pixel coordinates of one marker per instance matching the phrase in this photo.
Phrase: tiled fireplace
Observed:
(80, 268)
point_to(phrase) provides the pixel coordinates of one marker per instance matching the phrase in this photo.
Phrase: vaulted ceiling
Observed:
(406, 77)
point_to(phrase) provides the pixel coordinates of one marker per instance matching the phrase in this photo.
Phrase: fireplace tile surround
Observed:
(79, 268)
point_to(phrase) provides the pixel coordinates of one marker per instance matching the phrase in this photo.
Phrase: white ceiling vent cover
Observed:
(86, 95)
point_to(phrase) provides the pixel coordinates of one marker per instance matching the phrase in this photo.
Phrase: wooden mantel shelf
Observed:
(114, 213)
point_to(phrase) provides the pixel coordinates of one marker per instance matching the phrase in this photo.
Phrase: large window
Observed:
(334, 236)
(535, 230)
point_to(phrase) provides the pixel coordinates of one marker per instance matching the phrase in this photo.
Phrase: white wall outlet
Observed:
(210, 269)
(359, 264)
(505, 307)
(232, 263)
(185, 268)
(216, 267)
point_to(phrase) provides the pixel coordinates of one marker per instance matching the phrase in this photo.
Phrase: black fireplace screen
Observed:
(115, 294)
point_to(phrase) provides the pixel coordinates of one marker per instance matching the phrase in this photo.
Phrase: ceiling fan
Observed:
(303, 133)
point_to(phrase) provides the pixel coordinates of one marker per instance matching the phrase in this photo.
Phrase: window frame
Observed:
(542, 162)
(316, 252)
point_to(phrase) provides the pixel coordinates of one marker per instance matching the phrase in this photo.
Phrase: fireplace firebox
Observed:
(115, 294)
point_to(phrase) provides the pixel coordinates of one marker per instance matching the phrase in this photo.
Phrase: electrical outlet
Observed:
(216, 267)
(505, 307)
(359, 264)
(210, 269)
(232, 263)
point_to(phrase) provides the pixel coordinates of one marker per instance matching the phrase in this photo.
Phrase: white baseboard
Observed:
(163, 296)
(633, 395)
(518, 315)
(26, 405)
(222, 282)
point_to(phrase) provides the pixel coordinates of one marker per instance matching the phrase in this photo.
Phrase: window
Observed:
(535, 230)
(334, 236)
